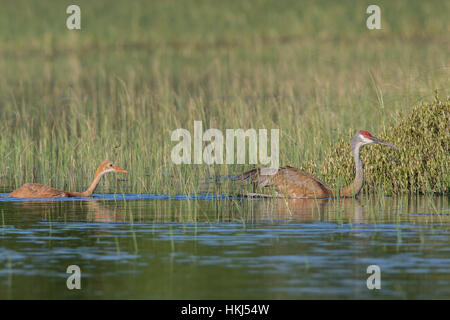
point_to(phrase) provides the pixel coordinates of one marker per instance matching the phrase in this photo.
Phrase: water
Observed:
(227, 248)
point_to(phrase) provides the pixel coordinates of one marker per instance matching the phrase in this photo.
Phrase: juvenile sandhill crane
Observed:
(33, 190)
(295, 183)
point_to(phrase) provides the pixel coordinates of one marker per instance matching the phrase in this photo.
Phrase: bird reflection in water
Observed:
(308, 209)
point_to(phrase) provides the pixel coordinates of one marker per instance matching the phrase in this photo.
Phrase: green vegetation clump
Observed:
(419, 165)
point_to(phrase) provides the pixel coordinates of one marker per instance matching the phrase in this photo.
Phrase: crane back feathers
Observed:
(34, 190)
(288, 181)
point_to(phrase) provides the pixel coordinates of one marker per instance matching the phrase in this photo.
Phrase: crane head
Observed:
(364, 137)
(109, 166)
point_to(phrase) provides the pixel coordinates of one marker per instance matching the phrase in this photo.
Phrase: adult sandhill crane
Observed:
(33, 190)
(295, 183)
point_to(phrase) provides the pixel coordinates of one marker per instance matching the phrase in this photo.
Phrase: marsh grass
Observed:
(136, 72)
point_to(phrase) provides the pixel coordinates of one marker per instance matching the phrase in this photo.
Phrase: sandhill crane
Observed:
(33, 190)
(295, 183)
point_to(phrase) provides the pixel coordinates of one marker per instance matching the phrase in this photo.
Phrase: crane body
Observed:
(295, 183)
(34, 190)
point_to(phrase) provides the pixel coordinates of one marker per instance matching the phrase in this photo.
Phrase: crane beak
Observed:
(378, 141)
(117, 169)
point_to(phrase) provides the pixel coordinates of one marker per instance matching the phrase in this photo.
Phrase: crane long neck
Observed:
(94, 184)
(355, 187)
(89, 191)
